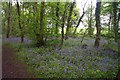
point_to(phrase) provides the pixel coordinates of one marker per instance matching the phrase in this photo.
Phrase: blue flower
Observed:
(103, 68)
(65, 70)
(98, 48)
(112, 53)
(105, 61)
(119, 44)
(105, 52)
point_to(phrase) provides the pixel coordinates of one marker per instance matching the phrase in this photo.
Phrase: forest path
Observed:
(11, 67)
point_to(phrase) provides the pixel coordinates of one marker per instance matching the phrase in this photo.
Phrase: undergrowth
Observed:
(69, 62)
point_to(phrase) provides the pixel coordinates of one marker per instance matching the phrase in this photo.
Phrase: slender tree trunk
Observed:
(53, 19)
(63, 23)
(68, 20)
(90, 22)
(57, 15)
(19, 20)
(35, 17)
(118, 24)
(98, 26)
(80, 19)
(114, 4)
(41, 36)
(109, 24)
(8, 19)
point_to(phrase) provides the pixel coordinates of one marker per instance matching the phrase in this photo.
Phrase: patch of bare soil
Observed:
(11, 67)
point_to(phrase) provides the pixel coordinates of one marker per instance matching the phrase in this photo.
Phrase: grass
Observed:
(69, 62)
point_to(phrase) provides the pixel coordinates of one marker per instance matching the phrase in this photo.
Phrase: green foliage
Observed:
(106, 8)
(106, 33)
(109, 35)
(82, 31)
(111, 45)
(27, 19)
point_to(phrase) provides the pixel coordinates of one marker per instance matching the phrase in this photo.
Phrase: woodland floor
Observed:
(71, 61)
(11, 67)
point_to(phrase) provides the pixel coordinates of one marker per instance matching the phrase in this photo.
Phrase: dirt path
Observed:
(11, 67)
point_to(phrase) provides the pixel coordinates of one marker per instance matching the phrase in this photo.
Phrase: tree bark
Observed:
(68, 20)
(35, 17)
(8, 19)
(57, 15)
(19, 20)
(63, 23)
(98, 26)
(114, 4)
(90, 22)
(80, 19)
(109, 24)
(118, 22)
(40, 41)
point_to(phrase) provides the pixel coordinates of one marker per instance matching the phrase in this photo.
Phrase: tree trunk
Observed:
(8, 19)
(118, 22)
(90, 22)
(40, 41)
(98, 26)
(57, 15)
(35, 17)
(114, 4)
(63, 23)
(68, 20)
(109, 24)
(19, 20)
(80, 19)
